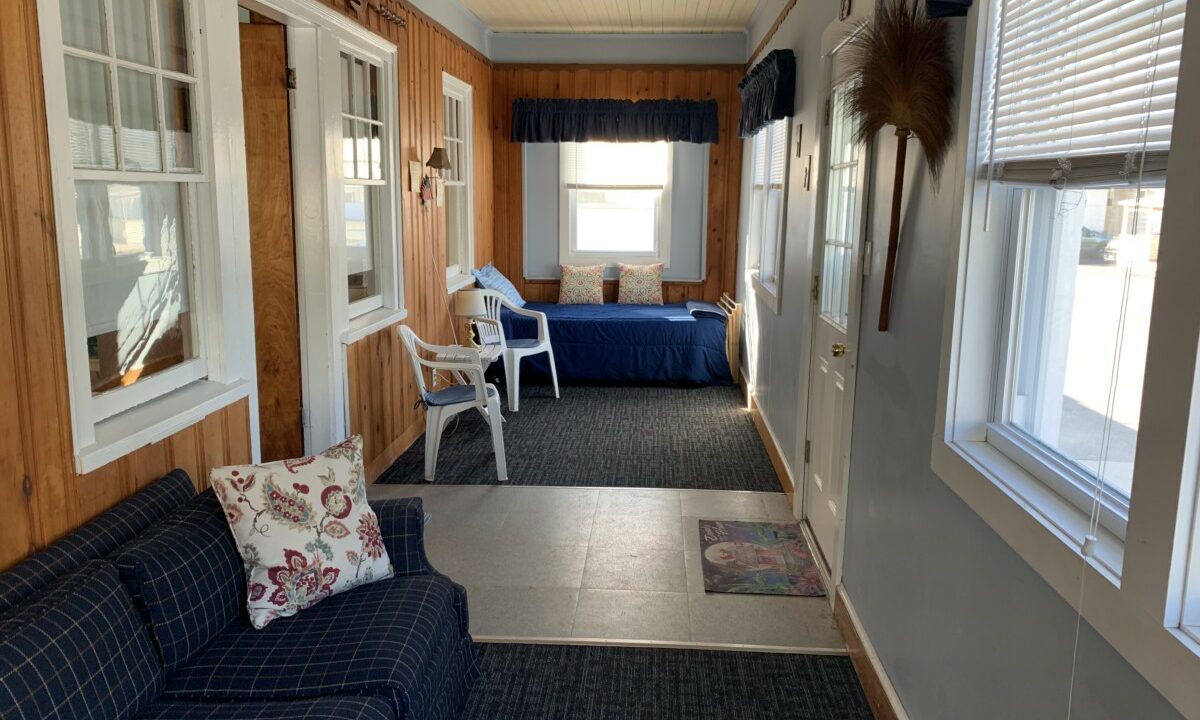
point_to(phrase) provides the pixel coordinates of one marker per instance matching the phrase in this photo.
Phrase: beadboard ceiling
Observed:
(614, 16)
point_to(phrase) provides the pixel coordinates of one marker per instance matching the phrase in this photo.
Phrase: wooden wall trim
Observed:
(618, 66)
(771, 33)
(773, 451)
(877, 686)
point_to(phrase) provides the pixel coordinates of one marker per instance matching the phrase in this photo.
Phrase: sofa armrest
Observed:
(402, 524)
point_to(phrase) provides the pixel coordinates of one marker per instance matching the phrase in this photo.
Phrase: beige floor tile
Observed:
(547, 527)
(554, 499)
(763, 620)
(713, 505)
(632, 615)
(638, 532)
(638, 501)
(510, 565)
(620, 569)
(779, 507)
(522, 612)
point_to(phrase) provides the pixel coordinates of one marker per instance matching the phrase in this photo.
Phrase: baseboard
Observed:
(881, 695)
(768, 439)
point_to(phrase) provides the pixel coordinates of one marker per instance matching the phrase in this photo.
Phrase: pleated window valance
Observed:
(947, 8)
(768, 92)
(557, 120)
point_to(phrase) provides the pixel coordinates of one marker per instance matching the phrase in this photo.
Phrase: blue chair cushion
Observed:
(80, 650)
(329, 708)
(96, 539)
(185, 574)
(489, 278)
(454, 395)
(391, 639)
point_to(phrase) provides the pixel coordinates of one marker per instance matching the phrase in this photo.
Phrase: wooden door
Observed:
(272, 239)
(836, 318)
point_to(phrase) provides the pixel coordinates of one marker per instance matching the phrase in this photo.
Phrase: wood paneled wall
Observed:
(688, 82)
(382, 393)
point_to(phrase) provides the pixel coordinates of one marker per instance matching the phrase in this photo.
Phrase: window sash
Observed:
(769, 174)
(457, 109)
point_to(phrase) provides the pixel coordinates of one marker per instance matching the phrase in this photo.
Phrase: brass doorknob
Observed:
(838, 349)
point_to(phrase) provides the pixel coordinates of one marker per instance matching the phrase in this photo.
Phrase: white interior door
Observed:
(838, 256)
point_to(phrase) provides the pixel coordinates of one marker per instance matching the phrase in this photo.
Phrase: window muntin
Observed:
(131, 124)
(616, 200)
(768, 199)
(841, 210)
(363, 169)
(457, 101)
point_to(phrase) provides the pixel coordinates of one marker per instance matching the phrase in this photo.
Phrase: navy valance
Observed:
(768, 92)
(556, 120)
(947, 8)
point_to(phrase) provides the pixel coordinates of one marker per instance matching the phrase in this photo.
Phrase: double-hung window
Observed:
(458, 180)
(768, 206)
(140, 236)
(364, 159)
(615, 202)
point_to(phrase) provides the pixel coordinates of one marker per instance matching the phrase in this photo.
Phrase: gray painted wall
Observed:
(963, 626)
(689, 204)
(708, 49)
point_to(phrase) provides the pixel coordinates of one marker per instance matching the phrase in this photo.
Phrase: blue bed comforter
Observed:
(630, 343)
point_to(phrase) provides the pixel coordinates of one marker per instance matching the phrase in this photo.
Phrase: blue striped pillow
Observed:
(489, 278)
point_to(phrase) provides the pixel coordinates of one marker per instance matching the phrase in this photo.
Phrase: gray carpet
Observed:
(545, 682)
(603, 436)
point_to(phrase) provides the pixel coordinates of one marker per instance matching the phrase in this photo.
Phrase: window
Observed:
(842, 211)
(615, 202)
(365, 192)
(460, 225)
(140, 241)
(768, 204)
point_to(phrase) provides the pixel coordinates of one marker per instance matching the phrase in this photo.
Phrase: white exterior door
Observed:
(836, 308)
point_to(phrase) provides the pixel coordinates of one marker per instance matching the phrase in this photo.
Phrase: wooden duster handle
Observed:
(885, 303)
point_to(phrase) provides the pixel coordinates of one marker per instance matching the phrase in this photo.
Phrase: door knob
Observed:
(838, 349)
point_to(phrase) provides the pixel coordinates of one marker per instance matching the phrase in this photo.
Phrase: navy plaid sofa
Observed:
(140, 614)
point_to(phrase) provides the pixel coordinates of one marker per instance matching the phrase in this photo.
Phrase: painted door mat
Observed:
(757, 558)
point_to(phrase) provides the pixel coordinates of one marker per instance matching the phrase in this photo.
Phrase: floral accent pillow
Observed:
(640, 284)
(303, 528)
(581, 285)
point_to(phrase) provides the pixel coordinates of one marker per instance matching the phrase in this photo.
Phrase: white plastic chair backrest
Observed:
(493, 302)
(410, 339)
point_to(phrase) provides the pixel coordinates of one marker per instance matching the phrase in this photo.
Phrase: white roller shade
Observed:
(1083, 83)
(615, 165)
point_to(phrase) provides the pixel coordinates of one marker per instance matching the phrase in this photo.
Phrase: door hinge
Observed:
(807, 451)
(816, 287)
(305, 420)
(868, 248)
(291, 78)
(828, 112)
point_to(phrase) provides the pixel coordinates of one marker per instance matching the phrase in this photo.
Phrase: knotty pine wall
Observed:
(632, 82)
(382, 393)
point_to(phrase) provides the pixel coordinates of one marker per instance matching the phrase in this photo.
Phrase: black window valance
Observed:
(768, 92)
(556, 120)
(947, 8)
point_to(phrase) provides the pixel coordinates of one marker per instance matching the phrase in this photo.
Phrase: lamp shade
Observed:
(438, 159)
(469, 303)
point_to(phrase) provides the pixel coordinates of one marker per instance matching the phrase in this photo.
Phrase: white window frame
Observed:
(458, 276)
(769, 289)
(566, 219)
(110, 425)
(1134, 589)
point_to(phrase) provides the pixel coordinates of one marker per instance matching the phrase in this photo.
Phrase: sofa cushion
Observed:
(388, 638)
(96, 539)
(79, 650)
(328, 708)
(186, 576)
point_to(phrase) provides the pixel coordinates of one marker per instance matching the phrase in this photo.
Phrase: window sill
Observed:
(767, 292)
(459, 282)
(371, 323)
(157, 420)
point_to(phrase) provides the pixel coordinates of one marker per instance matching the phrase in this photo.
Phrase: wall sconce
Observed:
(438, 161)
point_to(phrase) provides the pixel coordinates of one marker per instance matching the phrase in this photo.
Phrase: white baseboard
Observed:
(872, 657)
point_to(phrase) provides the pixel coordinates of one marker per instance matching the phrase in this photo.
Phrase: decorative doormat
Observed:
(758, 558)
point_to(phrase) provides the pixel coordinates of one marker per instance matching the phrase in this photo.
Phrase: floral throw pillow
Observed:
(640, 284)
(581, 285)
(303, 528)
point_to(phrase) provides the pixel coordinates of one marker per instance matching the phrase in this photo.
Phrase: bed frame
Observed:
(733, 335)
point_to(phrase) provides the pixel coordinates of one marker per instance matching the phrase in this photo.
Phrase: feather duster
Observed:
(906, 79)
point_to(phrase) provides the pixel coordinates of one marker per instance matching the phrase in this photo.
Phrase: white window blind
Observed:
(615, 165)
(767, 197)
(1084, 90)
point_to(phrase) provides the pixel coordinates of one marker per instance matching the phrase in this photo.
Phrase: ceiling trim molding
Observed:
(766, 40)
(618, 49)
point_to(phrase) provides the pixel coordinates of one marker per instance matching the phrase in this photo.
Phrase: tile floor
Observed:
(607, 565)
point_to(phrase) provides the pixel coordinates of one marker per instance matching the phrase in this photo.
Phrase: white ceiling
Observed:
(614, 16)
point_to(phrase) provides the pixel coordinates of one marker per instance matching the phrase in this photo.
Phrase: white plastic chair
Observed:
(441, 405)
(491, 332)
